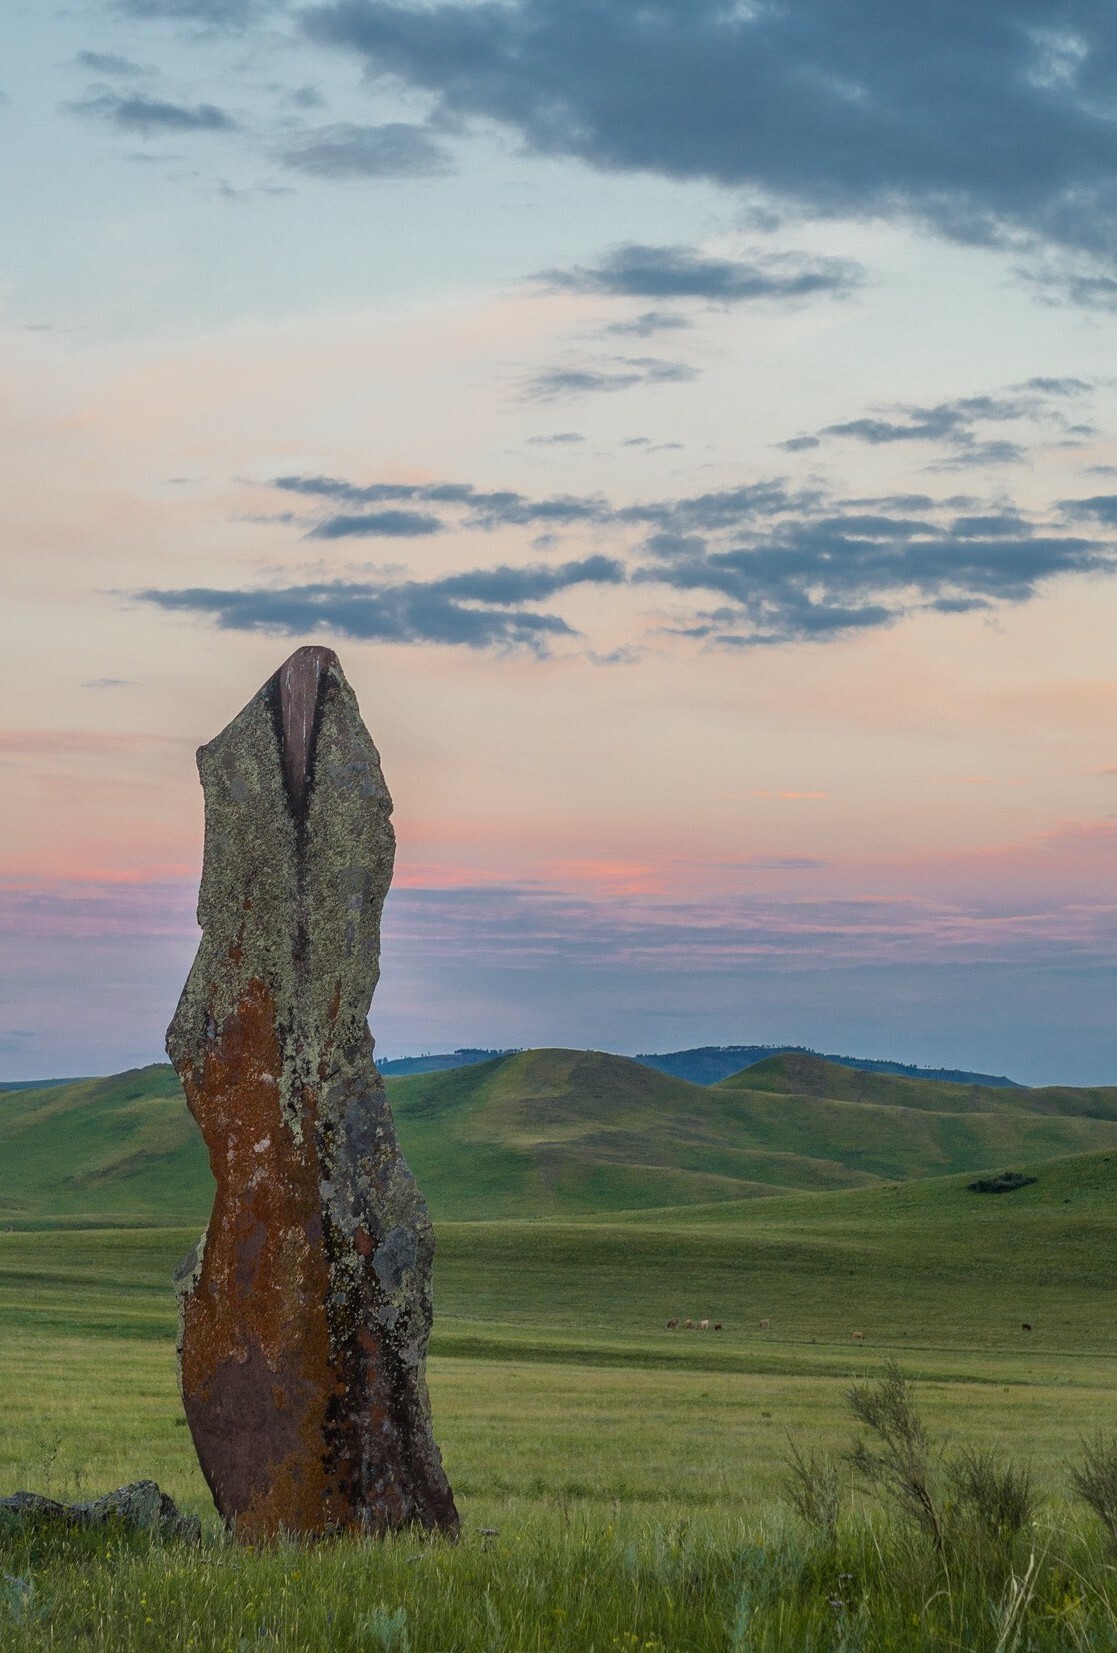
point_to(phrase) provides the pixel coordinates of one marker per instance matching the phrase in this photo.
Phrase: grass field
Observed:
(621, 1485)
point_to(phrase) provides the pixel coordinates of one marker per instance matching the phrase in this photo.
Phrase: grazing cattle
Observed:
(672, 1325)
(1025, 1326)
(717, 1325)
(859, 1337)
(703, 1325)
(764, 1324)
(688, 1325)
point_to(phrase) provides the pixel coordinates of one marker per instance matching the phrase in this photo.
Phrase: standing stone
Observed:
(305, 1307)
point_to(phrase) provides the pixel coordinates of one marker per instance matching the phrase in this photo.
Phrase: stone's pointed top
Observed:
(299, 679)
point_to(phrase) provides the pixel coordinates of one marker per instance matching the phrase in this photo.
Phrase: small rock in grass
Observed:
(146, 1507)
(141, 1506)
(33, 1509)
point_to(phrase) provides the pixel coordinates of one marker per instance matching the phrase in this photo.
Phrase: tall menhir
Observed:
(305, 1308)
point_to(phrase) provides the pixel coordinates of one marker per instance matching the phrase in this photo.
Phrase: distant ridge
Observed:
(705, 1065)
(466, 1058)
(39, 1084)
(708, 1064)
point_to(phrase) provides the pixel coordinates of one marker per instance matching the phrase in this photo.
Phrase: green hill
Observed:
(814, 1076)
(560, 1133)
(122, 1149)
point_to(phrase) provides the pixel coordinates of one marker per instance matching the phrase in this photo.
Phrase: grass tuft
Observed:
(1094, 1479)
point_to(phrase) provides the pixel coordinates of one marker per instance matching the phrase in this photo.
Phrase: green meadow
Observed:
(622, 1485)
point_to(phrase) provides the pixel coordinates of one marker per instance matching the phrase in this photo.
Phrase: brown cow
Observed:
(764, 1324)
(688, 1325)
(672, 1325)
(717, 1325)
(1025, 1325)
(859, 1337)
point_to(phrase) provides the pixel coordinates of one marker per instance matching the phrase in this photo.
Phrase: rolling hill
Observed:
(122, 1149)
(560, 1133)
(801, 1074)
(706, 1064)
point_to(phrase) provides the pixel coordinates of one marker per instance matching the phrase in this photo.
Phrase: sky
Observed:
(693, 423)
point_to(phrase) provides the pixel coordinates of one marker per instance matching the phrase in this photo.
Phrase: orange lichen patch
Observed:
(263, 1271)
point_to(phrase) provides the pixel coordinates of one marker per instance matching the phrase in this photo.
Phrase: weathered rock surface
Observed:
(141, 1506)
(305, 1308)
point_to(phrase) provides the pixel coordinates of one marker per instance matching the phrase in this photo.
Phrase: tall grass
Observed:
(569, 1580)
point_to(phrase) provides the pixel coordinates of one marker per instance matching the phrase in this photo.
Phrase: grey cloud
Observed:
(959, 605)
(976, 454)
(729, 509)
(1098, 508)
(394, 150)
(386, 524)
(560, 438)
(479, 609)
(481, 510)
(952, 421)
(521, 585)
(108, 63)
(634, 271)
(1083, 281)
(955, 425)
(1058, 387)
(855, 108)
(763, 563)
(649, 323)
(307, 97)
(627, 371)
(811, 575)
(148, 115)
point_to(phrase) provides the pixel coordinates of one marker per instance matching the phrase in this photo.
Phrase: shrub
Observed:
(1007, 1183)
(897, 1462)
